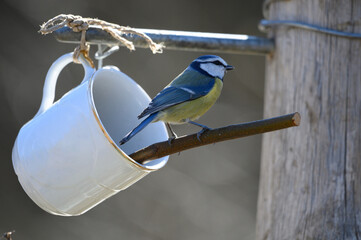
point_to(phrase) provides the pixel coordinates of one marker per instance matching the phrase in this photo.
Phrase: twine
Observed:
(80, 24)
(265, 24)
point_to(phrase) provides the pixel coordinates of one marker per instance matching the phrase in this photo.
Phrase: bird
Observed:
(191, 94)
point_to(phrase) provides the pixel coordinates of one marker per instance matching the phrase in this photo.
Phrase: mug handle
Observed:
(52, 77)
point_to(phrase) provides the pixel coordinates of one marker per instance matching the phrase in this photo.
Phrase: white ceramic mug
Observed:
(67, 158)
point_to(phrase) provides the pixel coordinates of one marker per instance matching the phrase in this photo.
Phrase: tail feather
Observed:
(139, 128)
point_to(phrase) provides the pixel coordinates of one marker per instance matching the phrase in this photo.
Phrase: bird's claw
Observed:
(170, 139)
(204, 129)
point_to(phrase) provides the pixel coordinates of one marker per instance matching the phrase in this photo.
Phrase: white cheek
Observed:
(213, 70)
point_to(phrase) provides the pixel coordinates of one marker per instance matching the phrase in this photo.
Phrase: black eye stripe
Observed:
(218, 63)
(215, 62)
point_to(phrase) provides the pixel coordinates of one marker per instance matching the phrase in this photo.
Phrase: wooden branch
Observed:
(161, 149)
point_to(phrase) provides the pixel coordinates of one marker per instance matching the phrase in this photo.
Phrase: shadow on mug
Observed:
(118, 101)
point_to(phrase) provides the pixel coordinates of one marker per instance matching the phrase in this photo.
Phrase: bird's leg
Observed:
(174, 136)
(204, 128)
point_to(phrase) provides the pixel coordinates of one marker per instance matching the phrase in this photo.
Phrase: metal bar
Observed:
(178, 40)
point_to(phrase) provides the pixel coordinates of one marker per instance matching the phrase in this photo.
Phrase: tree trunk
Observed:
(310, 184)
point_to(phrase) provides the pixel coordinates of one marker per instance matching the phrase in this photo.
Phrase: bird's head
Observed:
(211, 65)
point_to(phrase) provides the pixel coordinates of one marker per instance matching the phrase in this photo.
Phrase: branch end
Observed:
(296, 119)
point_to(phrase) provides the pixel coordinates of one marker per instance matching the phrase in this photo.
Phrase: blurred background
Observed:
(204, 193)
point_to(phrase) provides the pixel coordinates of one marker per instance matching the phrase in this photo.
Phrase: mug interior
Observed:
(117, 101)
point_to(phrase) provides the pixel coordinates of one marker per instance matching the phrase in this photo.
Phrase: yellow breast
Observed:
(193, 109)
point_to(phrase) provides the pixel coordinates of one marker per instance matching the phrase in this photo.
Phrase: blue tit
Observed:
(191, 94)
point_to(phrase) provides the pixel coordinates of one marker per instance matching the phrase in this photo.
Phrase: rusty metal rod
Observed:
(178, 40)
(161, 149)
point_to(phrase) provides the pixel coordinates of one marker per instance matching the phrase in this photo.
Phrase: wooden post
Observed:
(310, 184)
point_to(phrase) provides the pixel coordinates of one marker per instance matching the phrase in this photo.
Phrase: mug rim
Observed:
(105, 132)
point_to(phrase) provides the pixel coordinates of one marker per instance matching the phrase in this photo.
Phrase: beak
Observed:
(229, 67)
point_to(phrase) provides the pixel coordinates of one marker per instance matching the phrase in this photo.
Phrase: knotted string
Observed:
(80, 24)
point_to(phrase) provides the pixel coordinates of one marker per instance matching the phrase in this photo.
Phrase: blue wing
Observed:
(189, 85)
